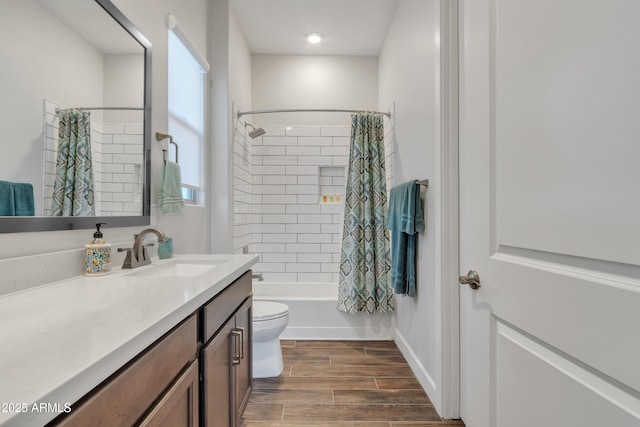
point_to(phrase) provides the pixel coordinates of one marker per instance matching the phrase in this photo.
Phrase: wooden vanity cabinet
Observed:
(197, 374)
(226, 356)
(128, 394)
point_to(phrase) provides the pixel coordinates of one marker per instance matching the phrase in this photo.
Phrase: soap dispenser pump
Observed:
(98, 255)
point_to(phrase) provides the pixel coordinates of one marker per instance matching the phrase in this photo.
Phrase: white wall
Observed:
(219, 174)
(122, 88)
(191, 228)
(408, 76)
(313, 81)
(240, 99)
(240, 63)
(58, 254)
(231, 84)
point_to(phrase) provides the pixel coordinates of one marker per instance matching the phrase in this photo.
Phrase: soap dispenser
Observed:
(98, 255)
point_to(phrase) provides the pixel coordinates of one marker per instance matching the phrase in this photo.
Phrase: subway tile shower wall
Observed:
(279, 213)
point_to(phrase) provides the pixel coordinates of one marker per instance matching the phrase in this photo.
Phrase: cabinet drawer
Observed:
(216, 312)
(123, 398)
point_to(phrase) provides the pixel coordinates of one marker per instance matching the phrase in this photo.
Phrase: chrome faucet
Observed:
(137, 255)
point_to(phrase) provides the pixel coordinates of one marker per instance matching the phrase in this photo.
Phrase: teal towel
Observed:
(23, 199)
(170, 199)
(7, 203)
(406, 219)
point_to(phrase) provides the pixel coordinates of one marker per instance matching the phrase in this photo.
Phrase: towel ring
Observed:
(165, 153)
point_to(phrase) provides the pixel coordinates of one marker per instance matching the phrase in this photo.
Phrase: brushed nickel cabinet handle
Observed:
(241, 342)
(236, 335)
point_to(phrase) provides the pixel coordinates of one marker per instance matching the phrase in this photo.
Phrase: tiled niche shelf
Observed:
(332, 184)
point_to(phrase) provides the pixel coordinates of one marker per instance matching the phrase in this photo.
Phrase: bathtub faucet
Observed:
(257, 276)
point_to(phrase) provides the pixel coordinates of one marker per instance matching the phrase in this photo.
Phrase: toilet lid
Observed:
(266, 310)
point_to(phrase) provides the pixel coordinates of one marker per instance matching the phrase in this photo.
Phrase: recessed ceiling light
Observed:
(314, 38)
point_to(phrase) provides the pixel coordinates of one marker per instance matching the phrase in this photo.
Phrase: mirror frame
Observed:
(53, 223)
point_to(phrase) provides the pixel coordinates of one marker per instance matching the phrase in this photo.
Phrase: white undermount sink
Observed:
(177, 268)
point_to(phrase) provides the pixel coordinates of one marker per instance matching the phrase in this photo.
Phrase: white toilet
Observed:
(269, 320)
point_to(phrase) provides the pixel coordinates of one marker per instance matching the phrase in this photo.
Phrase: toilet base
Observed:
(267, 359)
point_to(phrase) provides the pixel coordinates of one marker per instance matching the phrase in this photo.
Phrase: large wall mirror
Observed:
(75, 104)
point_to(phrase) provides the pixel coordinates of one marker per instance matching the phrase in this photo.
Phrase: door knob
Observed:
(472, 279)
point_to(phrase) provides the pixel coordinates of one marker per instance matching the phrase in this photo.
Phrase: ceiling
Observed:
(349, 27)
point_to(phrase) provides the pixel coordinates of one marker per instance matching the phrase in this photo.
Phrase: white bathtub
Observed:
(313, 314)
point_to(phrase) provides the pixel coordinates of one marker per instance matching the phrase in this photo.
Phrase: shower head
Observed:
(255, 132)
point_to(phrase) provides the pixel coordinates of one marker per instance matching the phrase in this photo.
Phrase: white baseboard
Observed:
(425, 380)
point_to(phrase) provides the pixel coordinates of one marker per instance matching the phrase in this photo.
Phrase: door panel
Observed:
(567, 99)
(549, 374)
(549, 202)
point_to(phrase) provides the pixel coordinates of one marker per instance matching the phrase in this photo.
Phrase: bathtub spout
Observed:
(257, 276)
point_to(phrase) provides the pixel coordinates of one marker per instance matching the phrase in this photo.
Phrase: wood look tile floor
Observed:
(341, 384)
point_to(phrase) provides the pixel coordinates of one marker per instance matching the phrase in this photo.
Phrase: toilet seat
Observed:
(268, 310)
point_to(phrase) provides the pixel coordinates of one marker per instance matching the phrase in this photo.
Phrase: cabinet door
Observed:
(179, 405)
(242, 370)
(216, 377)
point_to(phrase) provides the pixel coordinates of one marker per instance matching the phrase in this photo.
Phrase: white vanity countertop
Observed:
(60, 340)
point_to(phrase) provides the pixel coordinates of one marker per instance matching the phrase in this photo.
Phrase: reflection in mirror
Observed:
(64, 59)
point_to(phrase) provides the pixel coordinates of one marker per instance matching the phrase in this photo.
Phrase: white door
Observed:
(550, 213)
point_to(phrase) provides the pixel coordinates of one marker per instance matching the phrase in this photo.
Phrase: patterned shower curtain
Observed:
(73, 187)
(365, 255)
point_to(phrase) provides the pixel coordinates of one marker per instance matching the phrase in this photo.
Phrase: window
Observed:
(186, 115)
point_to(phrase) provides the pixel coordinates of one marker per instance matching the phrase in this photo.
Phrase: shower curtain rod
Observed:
(100, 108)
(310, 110)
